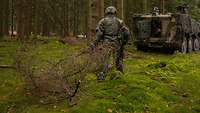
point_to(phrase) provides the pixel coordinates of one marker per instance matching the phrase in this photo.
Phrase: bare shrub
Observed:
(60, 80)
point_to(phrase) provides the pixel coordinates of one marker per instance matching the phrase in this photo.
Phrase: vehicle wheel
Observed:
(184, 46)
(196, 44)
(190, 45)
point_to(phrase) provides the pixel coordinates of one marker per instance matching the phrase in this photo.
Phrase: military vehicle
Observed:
(174, 31)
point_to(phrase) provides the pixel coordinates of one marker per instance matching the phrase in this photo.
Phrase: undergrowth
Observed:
(152, 83)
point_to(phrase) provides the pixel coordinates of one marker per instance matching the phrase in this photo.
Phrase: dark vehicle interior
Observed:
(156, 28)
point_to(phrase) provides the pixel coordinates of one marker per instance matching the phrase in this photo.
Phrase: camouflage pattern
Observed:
(111, 30)
(174, 31)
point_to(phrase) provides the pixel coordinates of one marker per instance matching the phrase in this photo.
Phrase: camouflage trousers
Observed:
(112, 49)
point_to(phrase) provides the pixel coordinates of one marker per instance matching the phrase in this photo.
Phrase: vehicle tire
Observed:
(196, 44)
(190, 45)
(184, 46)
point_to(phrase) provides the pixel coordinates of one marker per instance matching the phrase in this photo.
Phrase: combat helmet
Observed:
(111, 10)
(183, 8)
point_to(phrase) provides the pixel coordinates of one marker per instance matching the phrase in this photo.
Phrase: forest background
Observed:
(74, 17)
(153, 82)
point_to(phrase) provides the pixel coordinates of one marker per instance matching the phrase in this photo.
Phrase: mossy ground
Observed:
(152, 83)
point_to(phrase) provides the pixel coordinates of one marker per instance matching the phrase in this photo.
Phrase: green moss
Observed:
(152, 82)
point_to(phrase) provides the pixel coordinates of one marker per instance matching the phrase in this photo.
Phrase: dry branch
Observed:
(62, 79)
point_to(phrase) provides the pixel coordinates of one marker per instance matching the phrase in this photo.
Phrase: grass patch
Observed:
(152, 83)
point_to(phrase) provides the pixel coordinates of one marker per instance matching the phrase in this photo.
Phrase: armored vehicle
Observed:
(175, 31)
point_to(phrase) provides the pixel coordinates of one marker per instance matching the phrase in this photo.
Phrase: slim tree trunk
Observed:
(20, 19)
(1, 19)
(120, 7)
(162, 6)
(45, 27)
(145, 4)
(6, 18)
(12, 17)
(96, 13)
(74, 17)
(65, 14)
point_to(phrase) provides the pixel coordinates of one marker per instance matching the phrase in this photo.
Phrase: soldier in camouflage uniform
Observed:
(112, 30)
(183, 9)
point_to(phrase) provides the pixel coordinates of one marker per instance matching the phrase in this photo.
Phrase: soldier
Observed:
(183, 9)
(111, 30)
(156, 11)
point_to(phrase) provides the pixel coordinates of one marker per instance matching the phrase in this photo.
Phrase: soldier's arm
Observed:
(99, 33)
(125, 32)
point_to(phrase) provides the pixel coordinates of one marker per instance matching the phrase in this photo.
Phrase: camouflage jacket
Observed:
(111, 28)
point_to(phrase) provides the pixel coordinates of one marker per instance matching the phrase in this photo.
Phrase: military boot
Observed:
(119, 65)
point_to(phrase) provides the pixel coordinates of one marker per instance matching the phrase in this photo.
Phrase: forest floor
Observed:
(153, 82)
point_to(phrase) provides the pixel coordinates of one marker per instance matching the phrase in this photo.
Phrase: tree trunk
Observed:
(96, 12)
(6, 18)
(145, 4)
(162, 6)
(20, 19)
(1, 19)
(120, 7)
